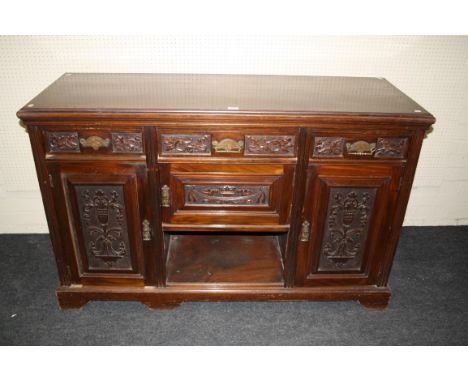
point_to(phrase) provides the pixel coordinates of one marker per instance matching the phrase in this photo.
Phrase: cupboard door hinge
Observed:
(305, 231)
(165, 196)
(146, 230)
(51, 181)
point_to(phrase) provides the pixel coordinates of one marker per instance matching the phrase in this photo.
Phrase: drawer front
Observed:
(90, 141)
(360, 147)
(226, 194)
(247, 143)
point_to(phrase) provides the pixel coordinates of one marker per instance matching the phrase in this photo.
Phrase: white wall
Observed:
(432, 70)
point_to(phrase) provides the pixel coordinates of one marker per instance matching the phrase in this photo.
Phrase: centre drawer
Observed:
(226, 194)
(227, 142)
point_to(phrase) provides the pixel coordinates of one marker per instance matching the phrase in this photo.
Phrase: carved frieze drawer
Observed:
(95, 142)
(226, 143)
(366, 148)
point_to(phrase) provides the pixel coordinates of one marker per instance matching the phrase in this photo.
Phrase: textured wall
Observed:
(431, 70)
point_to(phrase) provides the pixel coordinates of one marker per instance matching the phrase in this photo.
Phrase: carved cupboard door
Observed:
(102, 215)
(348, 211)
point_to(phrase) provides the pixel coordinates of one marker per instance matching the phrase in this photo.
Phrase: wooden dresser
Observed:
(164, 188)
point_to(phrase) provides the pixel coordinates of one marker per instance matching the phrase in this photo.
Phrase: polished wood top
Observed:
(236, 94)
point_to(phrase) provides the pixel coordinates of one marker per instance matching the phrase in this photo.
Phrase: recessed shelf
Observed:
(224, 258)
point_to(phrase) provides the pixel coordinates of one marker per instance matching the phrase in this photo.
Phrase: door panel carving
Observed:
(104, 226)
(346, 227)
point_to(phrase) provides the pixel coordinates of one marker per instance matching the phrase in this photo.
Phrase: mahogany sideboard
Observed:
(164, 188)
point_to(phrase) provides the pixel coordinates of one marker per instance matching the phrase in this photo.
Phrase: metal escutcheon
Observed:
(165, 196)
(146, 230)
(305, 231)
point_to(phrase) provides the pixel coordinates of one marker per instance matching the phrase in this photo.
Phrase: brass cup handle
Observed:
(228, 145)
(95, 142)
(361, 148)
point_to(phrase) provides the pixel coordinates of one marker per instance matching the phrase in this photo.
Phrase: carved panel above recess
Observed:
(244, 195)
(347, 223)
(187, 144)
(104, 227)
(391, 147)
(281, 145)
(328, 146)
(127, 143)
(64, 142)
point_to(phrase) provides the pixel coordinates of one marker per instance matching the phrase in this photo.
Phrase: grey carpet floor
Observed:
(429, 306)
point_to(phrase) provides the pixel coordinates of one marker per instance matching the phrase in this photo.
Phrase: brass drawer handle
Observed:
(146, 230)
(228, 146)
(360, 148)
(95, 142)
(305, 231)
(165, 196)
